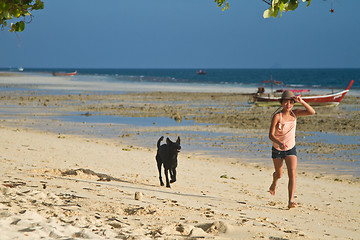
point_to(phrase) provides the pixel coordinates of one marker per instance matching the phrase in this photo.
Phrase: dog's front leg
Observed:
(167, 177)
(159, 169)
(173, 175)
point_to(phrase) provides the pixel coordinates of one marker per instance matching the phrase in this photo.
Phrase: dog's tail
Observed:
(159, 141)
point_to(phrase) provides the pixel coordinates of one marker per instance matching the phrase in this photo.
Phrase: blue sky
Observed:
(185, 34)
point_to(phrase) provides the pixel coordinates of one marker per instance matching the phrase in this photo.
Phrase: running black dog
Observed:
(167, 155)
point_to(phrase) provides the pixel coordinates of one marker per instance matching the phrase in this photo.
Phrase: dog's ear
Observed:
(178, 140)
(168, 141)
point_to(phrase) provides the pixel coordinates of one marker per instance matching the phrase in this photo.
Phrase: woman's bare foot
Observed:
(292, 205)
(272, 189)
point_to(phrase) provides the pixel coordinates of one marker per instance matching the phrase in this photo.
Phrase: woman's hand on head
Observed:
(298, 98)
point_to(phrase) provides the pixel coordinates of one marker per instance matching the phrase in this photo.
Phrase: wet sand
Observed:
(236, 126)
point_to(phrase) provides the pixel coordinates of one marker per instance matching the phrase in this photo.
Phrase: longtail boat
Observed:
(331, 99)
(64, 73)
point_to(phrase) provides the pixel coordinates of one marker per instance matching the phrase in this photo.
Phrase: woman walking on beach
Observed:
(282, 134)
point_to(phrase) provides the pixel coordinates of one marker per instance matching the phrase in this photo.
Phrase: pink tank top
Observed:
(285, 132)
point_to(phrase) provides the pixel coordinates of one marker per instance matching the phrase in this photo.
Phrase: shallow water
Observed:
(134, 121)
(253, 147)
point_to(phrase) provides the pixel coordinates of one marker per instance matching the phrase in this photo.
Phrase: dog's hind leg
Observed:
(173, 175)
(159, 169)
(167, 177)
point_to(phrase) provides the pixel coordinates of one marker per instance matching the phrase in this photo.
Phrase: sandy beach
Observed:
(72, 187)
(63, 180)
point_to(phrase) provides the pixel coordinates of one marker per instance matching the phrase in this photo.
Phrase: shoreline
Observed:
(83, 83)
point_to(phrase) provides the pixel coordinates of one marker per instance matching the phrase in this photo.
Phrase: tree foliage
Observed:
(222, 3)
(277, 7)
(14, 14)
(20, 10)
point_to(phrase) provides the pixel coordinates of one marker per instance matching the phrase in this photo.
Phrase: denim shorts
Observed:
(282, 154)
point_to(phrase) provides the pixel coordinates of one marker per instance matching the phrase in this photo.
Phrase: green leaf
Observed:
(10, 9)
(21, 26)
(281, 8)
(7, 16)
(276, 11)
(291, 5)
(4, 6)
(12, 28)
(38, 5)
(223, 3)
(308, 2)
(18, 27)
(268, 12)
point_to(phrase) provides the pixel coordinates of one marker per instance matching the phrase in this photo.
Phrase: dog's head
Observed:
(174, 147)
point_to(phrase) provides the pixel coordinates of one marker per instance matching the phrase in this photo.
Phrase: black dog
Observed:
(167, 155)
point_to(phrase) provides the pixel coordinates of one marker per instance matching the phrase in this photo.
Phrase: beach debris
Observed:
(138, 211)
(87, 114)
(168, 230)
(177, 117)
(115, 225)
(227, 177)
(184, 229)
(215, 227)
(197, 233)
(60, 136)
(272, 203)
(28, 229)
(12, 184)
(52, 234)
(87, 173)
(119, 222)
(15, 222)
(80, 235)
(138, 196)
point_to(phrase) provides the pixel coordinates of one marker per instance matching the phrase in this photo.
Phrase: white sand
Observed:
(37, 201)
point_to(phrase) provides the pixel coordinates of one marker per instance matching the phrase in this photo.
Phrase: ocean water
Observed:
(291, 78)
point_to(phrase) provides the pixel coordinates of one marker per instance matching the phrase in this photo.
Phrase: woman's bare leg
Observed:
(291, 163)
(278, 165)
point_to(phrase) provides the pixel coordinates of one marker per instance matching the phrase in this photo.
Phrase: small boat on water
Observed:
(64, 73)
(331, 99)
(201, 72)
